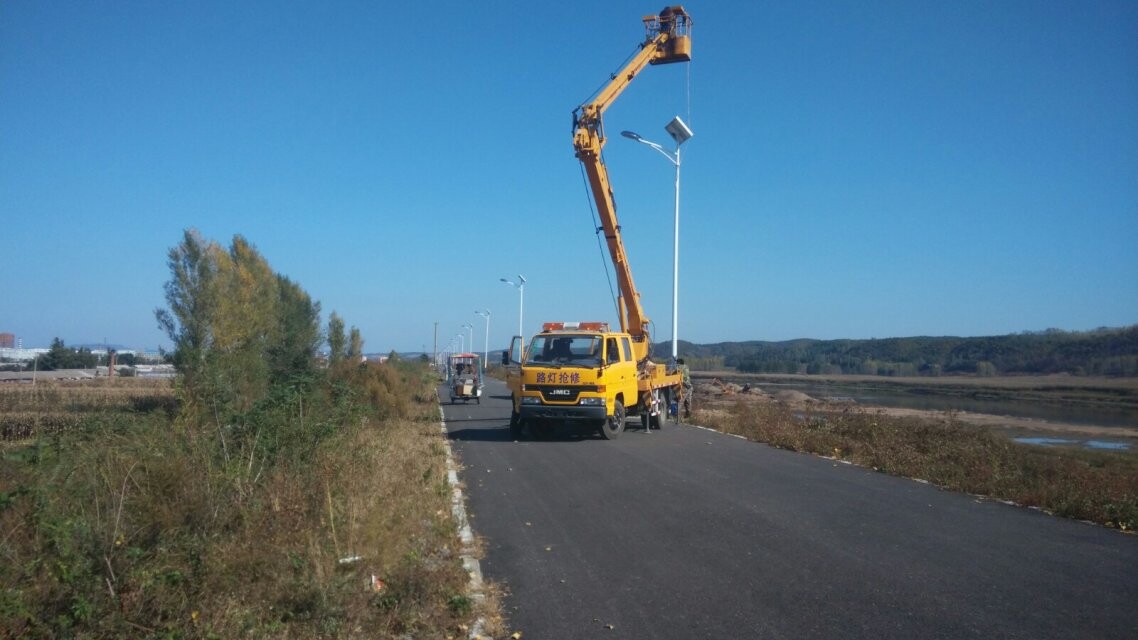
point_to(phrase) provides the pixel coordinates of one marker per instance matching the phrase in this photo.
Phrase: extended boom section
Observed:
(667, 40)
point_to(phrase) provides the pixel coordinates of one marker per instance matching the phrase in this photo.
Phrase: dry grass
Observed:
(137, 525)
(101, 394)
(1097, 486)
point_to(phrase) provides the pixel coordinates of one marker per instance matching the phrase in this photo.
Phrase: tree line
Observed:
(61, 356)
(1104, 351)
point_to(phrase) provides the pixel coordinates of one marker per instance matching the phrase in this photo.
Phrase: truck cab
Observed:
(582, 374)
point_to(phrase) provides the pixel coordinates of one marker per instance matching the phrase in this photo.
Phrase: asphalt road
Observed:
(687, 533)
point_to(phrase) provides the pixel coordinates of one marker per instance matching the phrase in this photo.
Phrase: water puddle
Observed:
(1066, 442)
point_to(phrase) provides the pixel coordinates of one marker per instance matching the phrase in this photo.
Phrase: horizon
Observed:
(169, 348)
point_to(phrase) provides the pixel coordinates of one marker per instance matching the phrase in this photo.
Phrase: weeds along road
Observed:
(685, 533)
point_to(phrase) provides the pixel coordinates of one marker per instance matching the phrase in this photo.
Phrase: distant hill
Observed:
(1105, 351)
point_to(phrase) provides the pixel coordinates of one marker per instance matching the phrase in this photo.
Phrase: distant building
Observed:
(7, 341)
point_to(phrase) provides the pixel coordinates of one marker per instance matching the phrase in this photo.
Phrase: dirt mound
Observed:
(792, 397)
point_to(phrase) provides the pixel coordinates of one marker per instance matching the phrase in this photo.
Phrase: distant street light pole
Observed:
(461, 342)
(521, 285)
(680, 133)
(470, 329)
(486, 342)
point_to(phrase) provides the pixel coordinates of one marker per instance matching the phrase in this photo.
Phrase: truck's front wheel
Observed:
(614, 426)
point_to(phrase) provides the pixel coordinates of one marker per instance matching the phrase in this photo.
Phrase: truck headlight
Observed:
(531, 400)
(591, 402)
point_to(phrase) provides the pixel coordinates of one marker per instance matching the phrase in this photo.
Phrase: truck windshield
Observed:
(581, 350)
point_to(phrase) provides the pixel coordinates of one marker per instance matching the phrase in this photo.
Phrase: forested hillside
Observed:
(1105, 351)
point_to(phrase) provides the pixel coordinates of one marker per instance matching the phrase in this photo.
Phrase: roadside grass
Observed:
(318, 514)
(1098, 486)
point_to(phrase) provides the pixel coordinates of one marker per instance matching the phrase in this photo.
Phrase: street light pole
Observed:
(680, 133)
(470, 330)
(486, 342)
(521, 285)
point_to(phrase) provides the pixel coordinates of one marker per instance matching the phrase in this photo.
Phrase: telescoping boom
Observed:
(667, 40)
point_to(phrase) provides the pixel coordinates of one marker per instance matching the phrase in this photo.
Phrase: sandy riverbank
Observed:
(1021, 426)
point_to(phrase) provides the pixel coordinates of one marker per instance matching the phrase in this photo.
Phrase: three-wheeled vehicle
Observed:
(464, 373)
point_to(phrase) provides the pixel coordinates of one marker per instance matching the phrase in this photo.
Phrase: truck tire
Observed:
(614, 426)
(542, 429)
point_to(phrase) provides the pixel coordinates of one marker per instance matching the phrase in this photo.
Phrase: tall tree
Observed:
(336, 339)
(192, 297)
(247, 320)
(298, 332)
(355, 345)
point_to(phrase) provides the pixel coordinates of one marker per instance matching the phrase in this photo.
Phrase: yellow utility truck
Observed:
(583, 373)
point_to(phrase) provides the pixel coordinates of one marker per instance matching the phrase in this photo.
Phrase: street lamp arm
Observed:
(634, 136)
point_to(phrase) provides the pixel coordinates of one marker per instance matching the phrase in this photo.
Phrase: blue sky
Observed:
(858, 169)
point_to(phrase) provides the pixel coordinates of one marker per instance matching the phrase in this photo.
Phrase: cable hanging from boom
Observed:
(597, 231)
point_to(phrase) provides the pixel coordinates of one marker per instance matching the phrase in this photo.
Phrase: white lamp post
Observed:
(680, 133)
(521, 285)
(470, 330)
(486, 343)
(461, 342)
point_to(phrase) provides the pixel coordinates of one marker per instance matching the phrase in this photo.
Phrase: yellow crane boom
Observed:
(667, 40)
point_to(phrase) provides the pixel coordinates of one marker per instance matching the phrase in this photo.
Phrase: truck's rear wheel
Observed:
(614, 426)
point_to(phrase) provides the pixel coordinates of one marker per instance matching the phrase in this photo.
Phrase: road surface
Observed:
(686, 533)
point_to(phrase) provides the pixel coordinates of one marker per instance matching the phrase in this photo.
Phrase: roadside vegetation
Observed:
(1098, 486)
(263, 494)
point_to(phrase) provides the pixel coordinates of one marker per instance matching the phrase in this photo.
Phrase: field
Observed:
(332, 519)
(48, 407)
